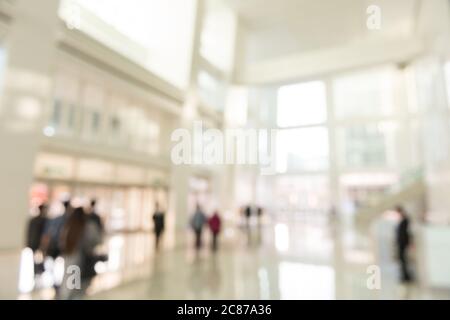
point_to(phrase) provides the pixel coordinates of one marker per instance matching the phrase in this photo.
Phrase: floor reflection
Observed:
(285, 260)
(300, 281)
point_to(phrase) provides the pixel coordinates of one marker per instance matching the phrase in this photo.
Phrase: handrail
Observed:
(406, 179)
(409, 185)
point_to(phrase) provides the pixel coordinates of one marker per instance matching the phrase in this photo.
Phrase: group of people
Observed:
(250, 210)
(74, 236)
(77, 232)
(199, 220)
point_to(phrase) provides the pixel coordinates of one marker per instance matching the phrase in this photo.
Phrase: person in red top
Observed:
(215, 226)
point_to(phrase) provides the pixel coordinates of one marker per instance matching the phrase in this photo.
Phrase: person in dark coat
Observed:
(95, 217)
(247, 215)
(79, 238)
(52, 238)
(53, 229)
(198, 221)
(35, 232)
(259, 214)
(403, 239)
(158, 222)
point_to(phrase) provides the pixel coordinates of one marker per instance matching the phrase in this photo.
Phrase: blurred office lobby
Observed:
(357, 91)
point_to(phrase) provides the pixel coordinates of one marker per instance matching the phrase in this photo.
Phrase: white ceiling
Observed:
(277, 28)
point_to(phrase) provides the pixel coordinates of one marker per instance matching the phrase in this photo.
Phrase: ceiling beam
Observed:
(317, 63)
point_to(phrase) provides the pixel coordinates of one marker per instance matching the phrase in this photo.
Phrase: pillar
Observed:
(30, 47)
(182, 173)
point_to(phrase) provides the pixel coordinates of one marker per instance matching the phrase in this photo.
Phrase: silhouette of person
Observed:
(259, 214)
(158, 223)
(52, 239)
(53, 231)
(247, 214)
(79, 239)
(95, 217)
(197, 223)
(215, 225)
(35, 233)
(403, 242)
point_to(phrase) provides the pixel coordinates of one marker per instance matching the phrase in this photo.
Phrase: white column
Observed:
(404, 137)
(434, 23)
(436, 142)
(334, 188)
(27, 82)
(182, 173)
(228, 201)
(434, 240)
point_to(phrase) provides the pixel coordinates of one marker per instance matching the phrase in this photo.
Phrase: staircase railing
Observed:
(410, 186)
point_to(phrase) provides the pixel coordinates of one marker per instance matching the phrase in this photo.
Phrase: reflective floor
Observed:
(295, 260)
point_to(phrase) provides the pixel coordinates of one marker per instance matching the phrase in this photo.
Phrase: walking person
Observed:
(259, 214)
(53, 231)
(247, 215)
(79, 239)
(35, 233)
(197, 223)
(95, 217)
(215, 225)
(403, 238)
(51, 242)
(158, 223)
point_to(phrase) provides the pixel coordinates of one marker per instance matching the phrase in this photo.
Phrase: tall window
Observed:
(303, 149)
(364, 94)
(236, 109)
(212, 90)
(218, 35)
(302, 104)
(93, 107)
(66, 110)
(156, 34)
(368, 145)
(302, 144)
(56, 117)
(3, 58)
(447, 78)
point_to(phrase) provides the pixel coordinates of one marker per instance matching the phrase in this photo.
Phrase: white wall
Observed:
(436, 256)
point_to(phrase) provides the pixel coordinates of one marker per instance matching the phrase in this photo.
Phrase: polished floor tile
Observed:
(295, 260)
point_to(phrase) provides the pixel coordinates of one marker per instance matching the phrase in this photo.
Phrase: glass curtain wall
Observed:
(302, 187)
(376, 140)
